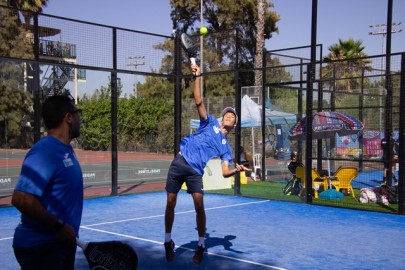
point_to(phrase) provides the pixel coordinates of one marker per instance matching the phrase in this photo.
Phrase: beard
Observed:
(74, 131)
(75, 134)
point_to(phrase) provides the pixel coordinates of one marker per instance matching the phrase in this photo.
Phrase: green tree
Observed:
(27, 5)
(16, 35)
(219, 48)
(16, 40)
(156, 87)
(96, 120)
(345, 64)
(140, 121)
(13, 38)
(283, 97)
(165, 134)
(343, 73)
(15, 111)
(13, 43)
(225, 15)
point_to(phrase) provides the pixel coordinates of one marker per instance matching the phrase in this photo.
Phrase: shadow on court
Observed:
(210, 242)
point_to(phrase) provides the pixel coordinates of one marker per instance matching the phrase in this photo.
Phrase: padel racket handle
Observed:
(81, 244)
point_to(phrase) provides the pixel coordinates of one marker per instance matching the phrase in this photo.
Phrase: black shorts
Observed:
(46, 256)
(179, 172)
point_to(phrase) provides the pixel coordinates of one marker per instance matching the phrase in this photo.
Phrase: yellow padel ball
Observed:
(203, 30)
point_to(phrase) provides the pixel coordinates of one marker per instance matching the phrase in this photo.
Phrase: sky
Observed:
(336, 20)
(342, 19)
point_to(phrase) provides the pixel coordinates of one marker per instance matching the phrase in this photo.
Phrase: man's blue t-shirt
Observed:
(51, 172)
(206, 143)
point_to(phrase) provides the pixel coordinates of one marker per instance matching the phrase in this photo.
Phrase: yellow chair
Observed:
(324, 180)
(343, 178)
(317, 180)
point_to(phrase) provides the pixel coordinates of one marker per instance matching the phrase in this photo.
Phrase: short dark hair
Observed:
(54, 110)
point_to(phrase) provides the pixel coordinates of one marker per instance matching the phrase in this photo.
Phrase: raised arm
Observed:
(202, 112)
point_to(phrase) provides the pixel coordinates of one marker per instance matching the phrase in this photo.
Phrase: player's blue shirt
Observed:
(206, 143)
(51, 172)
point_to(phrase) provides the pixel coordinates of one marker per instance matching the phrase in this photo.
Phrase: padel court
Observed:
(242, 233)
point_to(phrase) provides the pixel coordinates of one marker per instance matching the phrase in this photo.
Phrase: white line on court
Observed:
(177, 213)
(161, 243)
(6, 238)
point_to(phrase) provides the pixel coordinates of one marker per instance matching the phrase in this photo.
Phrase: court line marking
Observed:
(161, 243)
(157, 216)
(177, 213)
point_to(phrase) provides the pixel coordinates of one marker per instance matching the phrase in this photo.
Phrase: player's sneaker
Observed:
(198, 255)
(169, 248)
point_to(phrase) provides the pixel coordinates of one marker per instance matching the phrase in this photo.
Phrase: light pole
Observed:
(381, 29)
(136, 61)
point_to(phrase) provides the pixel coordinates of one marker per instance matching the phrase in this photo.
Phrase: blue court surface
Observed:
(370, 179)
(242, 233)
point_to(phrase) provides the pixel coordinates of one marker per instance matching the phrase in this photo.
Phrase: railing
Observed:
(57, 49)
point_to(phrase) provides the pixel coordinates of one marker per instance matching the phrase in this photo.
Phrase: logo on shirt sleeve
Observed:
(67, 161)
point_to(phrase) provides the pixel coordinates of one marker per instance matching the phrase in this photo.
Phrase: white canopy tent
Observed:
(251, 115)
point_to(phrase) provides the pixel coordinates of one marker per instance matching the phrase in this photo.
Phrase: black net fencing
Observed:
(135, 92)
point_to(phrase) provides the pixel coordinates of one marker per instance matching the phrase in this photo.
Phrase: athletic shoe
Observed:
(384, 182)
(169, 248)
(198, 255)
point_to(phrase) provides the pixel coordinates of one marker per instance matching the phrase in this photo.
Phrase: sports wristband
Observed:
(59, 225)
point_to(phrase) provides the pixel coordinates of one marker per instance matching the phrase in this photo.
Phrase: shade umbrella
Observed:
(325, 125)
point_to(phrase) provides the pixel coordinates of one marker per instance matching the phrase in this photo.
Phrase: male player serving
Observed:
(209, 141)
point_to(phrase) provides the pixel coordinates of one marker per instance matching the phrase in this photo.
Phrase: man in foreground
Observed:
(49, 193)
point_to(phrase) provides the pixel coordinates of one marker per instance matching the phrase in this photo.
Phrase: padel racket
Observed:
(190, 47)
(109, 255)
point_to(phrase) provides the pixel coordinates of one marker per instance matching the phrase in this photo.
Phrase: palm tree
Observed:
(32, 5)
(259, 41)
(345, 62)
